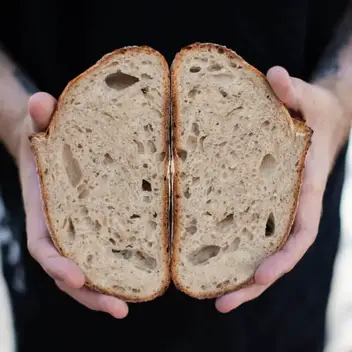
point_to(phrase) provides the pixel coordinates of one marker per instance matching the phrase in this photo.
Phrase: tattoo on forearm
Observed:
(8, 67)
(25, 82)
(329, 64)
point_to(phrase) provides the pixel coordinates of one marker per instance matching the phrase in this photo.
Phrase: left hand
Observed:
(324, 113)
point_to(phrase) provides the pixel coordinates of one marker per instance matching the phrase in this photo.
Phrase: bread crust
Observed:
(36, 137)
(297, 126)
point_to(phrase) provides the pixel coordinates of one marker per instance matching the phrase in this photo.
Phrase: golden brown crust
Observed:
(296, 126)
(165, 215)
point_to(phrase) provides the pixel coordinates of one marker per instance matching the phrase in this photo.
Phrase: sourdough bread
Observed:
(103, 165)
(238, 160)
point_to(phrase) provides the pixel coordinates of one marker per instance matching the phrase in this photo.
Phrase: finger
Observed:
(55, 265)
(233, 300)
(41, 107)
(283, 87)
(295, 93)
(96, 301)
(302, 237)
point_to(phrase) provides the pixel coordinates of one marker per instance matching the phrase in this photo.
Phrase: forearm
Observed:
(15, 90)
(334, 70)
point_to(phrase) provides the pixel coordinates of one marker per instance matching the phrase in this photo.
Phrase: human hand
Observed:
(67, 275)
(324, 113)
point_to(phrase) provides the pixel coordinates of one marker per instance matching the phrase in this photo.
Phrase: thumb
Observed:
(293, 92)
(41, 107)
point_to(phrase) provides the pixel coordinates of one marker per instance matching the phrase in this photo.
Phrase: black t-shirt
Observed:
(53, 41)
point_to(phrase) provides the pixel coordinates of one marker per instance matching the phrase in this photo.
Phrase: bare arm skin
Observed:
(15, 89)
(334, 70)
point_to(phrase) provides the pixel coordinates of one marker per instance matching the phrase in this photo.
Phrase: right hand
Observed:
(67, 275)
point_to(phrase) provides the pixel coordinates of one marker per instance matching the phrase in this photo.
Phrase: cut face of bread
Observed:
(239, 159)
(103, 167)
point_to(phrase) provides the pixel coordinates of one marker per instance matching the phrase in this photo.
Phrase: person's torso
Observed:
(56, 40)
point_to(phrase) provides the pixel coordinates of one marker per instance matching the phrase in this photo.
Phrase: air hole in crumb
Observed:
(83, 191)
(195, 181)
(148, 128)
(193, 92)
(97, 225)
(192, 143)
(203, 254)
(71, 229)
(72, 168)
(146, 199)
(145, 261)
(112, 241)
(191, 229)
(119, 288)
(152, 224)
(235, 244)
(195, 69)
(182, 154)
(162, 156)
(134, 216)
(267, 165)
(145, 166)
(223, 93)
(89, 259)
(201, 143)
(225, 223)
(146, 76)
(187, 193)
(151, 147)
(270, 226)
(146, 186)
(108, 159)
(195, 128)
(214, 67)
(223, 284)
(144, 90)
(120, 81)
(124, 254)
(266, 123)
(210, 189)
(140, 146)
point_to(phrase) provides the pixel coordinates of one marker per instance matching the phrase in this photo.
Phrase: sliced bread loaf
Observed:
(103, 165)
(239, 159)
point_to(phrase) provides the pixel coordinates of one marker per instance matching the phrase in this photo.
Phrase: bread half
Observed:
(103, 168)
(239, 159)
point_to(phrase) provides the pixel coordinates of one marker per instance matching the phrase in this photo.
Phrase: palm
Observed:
(68, 277)
(317, 106)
